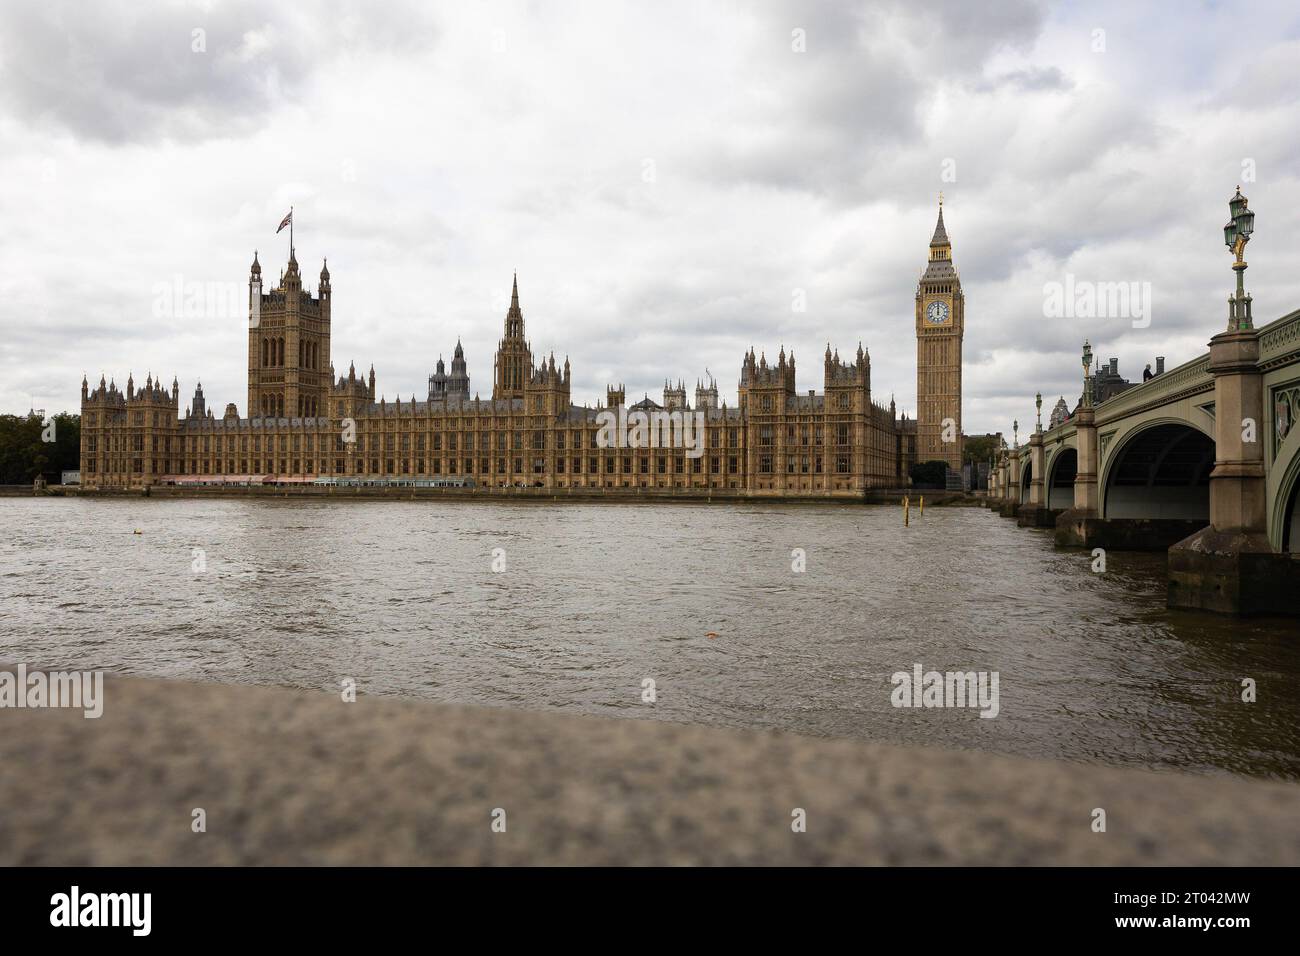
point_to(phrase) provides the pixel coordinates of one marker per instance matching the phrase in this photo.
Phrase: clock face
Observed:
(937, 312)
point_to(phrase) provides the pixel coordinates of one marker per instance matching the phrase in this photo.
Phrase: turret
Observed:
(438, 382)
(706, 395)
(458, 380)
(513, 364)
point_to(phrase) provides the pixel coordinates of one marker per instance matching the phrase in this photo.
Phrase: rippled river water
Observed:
(595, 598)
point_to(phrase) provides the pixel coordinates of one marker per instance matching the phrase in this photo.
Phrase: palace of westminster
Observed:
(304, 423)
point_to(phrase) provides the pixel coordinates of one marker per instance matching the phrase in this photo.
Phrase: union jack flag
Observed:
(285, 221)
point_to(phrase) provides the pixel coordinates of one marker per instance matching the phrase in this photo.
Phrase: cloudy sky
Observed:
(669, 180)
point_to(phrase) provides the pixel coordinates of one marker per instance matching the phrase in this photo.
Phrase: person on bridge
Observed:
(1146, 373)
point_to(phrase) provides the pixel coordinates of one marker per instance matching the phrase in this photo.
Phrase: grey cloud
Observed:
(128, 73)
(837, 119)
(1030, 80)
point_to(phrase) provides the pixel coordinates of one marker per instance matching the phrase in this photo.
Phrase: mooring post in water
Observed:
(922, 505)
(907, 507)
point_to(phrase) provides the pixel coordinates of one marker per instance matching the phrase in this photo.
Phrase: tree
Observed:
(24, 452)
(929, 474)
(980, 448)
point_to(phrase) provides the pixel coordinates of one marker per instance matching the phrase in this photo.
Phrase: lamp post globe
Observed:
(1236, 233)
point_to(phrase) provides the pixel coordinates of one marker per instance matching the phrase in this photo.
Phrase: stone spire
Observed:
(513, 363)
(940, 237)
(515, 315)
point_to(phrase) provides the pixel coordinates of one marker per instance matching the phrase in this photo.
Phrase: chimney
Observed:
(1160, 364)
(1114, 366)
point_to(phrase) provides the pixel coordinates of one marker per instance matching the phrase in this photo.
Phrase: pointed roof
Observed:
(940, 267)
(515, 311)
(940, 237)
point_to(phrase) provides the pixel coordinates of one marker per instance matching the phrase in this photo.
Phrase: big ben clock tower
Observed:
(940, 323)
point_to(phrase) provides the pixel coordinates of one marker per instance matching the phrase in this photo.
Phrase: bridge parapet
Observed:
(1190, 378)
(1061, 432)
(1279, 342)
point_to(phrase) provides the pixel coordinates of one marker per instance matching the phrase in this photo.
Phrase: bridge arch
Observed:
(1160, 468)
(1058, 490)
(1284, 515)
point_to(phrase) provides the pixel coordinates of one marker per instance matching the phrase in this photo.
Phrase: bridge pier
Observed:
(1007, 501)
(1078, 527)
(1075, 530)
(1230, 567)
(998, 486)
(1011, 506)
(1034, 513)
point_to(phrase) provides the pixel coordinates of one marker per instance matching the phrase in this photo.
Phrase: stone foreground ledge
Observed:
(299, 777)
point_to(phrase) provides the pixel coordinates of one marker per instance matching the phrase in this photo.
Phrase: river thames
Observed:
(574, 607)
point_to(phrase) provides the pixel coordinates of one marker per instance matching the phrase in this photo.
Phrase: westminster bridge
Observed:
(1203, 460)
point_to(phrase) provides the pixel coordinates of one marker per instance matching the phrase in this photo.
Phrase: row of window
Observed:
(273, 353)
(285, 443)
(663, 465)
(390, 441)
(766, 403)
(271, 405)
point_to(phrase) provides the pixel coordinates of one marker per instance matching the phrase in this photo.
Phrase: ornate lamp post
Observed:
(1038, 408)
(1015, 434)
(1235, 235)
(1087, 374)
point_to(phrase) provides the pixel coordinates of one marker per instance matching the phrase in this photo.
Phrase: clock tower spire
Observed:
(940, 325)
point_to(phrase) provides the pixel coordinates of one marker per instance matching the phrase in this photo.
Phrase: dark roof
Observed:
(940, 237)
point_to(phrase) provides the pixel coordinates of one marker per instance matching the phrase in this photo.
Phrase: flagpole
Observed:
(291, 232)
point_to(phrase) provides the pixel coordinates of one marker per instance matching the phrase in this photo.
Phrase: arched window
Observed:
(265, 352)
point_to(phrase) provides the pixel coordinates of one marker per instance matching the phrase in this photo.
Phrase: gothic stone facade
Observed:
(775, 441)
